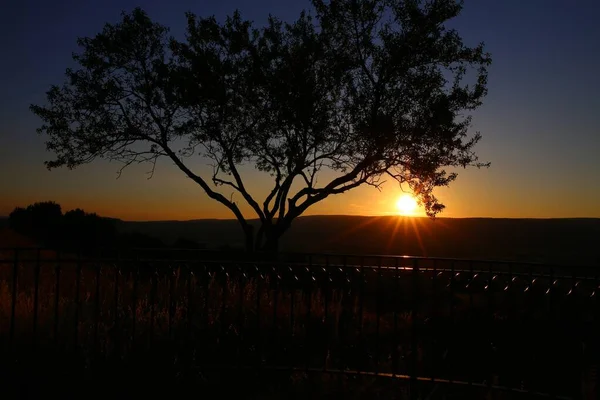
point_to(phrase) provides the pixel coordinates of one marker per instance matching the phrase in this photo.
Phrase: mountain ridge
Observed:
(549, 240)
(544, 240)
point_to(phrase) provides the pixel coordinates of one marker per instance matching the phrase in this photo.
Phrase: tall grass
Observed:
(169, 320)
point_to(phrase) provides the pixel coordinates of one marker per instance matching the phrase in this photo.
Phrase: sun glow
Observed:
(406, 205)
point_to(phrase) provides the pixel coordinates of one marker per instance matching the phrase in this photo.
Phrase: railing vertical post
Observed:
(206, 289)
(222, 325)
(576, 326)
(134, 300)
(116, 328)
(189, 312)
(240, 315)
(171, 314)
(450, 350)
(13, 303)
(153, 294)
(292, 346)
(308, 329)
(378, 314)
(470, 359)
(396, 308)
(343, 322)
(493, 362)
(257, 335)
(77, 301)
(551, 305)
(528, 300)
(56, 296)
(97, 310)
(595, 346)
(361, 300)
(434, 318)
(274, 331)
(326, 273)
(414, 345)
(36, 296)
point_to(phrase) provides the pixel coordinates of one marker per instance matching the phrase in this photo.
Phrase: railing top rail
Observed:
(256, 257)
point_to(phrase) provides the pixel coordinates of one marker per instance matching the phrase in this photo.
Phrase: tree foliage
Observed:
(39, 220)
(371, 89)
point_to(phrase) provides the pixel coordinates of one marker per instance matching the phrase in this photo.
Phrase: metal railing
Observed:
(431, 325)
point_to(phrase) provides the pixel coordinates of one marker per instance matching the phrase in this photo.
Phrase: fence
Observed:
(416, 327)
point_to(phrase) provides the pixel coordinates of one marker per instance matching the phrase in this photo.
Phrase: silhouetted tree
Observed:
(19, 220)
(364, 89)
(87, 231)
(75, 230)
(40, 221)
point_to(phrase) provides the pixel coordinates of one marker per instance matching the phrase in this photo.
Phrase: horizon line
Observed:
(346, 216)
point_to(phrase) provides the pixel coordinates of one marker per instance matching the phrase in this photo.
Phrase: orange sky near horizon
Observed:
(169, 195)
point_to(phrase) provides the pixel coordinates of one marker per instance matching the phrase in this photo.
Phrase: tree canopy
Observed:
(46, 223)
(370, 89)
(77, 230)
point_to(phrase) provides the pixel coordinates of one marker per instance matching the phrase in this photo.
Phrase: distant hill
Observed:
(562, 241)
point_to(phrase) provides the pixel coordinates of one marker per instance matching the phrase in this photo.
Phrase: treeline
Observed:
(77, 230)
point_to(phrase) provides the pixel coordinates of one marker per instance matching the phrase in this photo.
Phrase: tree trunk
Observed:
(268, 237)
(272, 244)
(271, 234)
(249, 238)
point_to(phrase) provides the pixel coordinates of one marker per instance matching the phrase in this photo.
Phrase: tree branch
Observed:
(211, 193)
(242, 189)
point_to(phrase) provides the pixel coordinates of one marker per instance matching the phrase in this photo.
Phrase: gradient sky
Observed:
(540, 122)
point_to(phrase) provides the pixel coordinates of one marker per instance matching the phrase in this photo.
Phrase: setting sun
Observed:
(406, 205)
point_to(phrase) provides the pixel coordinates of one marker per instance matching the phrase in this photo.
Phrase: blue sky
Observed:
(540, 122)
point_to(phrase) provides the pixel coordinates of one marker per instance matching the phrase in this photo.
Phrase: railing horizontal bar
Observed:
(333, 255)
(233, 263)
(427, 379)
